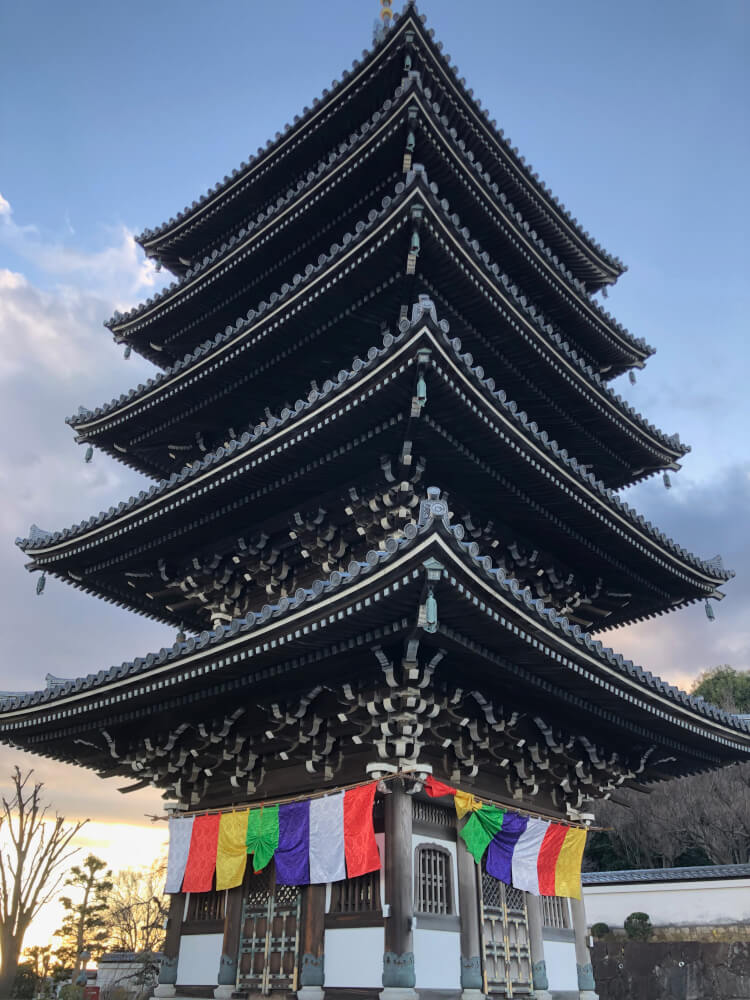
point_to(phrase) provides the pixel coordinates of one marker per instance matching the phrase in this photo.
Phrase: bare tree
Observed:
(32, 859)
(707, 815)
(138, 908)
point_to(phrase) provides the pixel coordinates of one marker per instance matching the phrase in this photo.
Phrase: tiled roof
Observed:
(531, 177)
(326, 165)
(466, 551)
(692, 874)
(362, 228)
(419, 313)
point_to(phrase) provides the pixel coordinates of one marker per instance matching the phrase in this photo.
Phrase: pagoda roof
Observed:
(353, 392)
(594, 264)
(606, 334)
(214, 354)
(557, 657)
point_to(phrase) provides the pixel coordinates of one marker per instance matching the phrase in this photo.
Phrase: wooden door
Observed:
(269, 943)
(505, 939)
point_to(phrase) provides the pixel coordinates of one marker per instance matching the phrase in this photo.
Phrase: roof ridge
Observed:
(434, 517)
(423, 308)
(530, 311)
(537, 319)
(271, 208)
(215, 457)
(231, 331)
(519, 160)
(537, 188)
(499, 199)
(506, 207)
(271, 144)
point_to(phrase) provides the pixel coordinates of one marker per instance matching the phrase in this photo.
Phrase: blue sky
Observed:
(114, 116)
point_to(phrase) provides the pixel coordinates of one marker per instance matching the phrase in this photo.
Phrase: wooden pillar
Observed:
(586, 984)
(398, 960)
(230, 947)
(168, 966)
(312, 972)
(536, 947)
(468, 903)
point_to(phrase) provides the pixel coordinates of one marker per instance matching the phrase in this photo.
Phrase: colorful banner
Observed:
(201, 862)
(180, 833)
(330, 838)
(313, 841)
(535, 855)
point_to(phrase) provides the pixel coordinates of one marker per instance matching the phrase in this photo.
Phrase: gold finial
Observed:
(386, 13)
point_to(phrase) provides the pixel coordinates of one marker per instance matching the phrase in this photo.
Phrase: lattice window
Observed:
(432, 880)
(206, 905)
(514, 900)
(555, 912)
(356, 895)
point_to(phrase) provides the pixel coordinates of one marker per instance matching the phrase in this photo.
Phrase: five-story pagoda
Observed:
(385, 458)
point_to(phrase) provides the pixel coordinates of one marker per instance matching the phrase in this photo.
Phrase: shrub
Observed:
(599, 930)
(638, 926)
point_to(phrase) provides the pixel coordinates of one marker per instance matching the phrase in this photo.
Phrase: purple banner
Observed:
(293, 853)
(502, 845)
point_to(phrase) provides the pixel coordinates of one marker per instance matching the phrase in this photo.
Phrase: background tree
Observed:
(85, 925)
(35, 850)
(25, 984)
(38, 958)
(726, 687)
(701, 819)
(137, 908)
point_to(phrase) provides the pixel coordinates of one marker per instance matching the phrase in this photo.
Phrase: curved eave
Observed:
(295, 430)
(334, 170)
(151, 240)
(608, 268)
(578, 658)
(619, 349)
(660, 452)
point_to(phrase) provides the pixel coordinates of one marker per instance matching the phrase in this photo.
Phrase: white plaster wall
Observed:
(448, 845)
(437, 959)
(437, 953)
(670, 903)
(560, 957)
(354, 957)
(198, 960)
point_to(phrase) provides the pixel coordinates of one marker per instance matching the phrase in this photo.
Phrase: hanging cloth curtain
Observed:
(502, 845)
(201, 862)
(436, 789)
(327, 856)
(231, 850)
(524, 865)
(262, 835)
(569, 860)
(465, 802)
(360, 847)
(480, 828)
(293, 853)
(180, 833)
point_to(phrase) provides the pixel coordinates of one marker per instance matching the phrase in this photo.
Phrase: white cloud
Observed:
(54, 356)
(119, 272)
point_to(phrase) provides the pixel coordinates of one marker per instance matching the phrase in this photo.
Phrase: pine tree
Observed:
(85, 926)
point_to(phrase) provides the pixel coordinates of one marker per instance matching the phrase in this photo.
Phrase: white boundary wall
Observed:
(674, 904)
